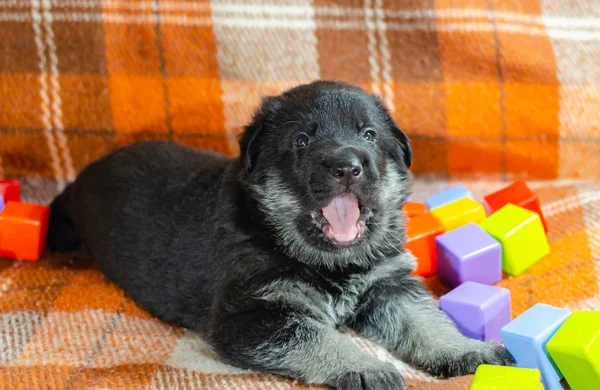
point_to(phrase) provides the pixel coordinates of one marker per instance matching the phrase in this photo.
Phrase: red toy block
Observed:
(413, 209)
(420, 240)
(10, 191)
(23, 228)
(519, 194)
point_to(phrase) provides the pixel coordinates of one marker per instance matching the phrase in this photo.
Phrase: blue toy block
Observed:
(1, 203)
(526, 338)
(450, 195)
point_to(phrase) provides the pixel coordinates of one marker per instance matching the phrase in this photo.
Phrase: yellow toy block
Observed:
(489, 377)
(522, 236)
(575, 349)
(458, 213)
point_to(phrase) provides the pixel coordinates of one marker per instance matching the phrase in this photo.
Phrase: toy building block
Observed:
(456, 214)
(10, 191)
(23, 228)
(479, 310)
(468, 254)
(517, 193)
(522, 236)
(450, 195)
(575, 349)
(526, 337)
(488, 377)
(414, 209)
(421, 232)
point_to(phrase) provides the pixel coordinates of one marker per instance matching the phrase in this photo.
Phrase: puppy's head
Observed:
(329, 168)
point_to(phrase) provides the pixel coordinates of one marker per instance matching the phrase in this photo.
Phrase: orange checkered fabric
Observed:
(64, 326)
(495, 87)
(488, 90)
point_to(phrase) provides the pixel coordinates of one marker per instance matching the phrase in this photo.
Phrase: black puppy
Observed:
(271, 252)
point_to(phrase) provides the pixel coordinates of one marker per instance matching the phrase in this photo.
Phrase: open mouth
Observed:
(341, 220)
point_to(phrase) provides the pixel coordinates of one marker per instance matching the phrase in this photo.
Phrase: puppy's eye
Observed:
(369, 135)
(301, 140)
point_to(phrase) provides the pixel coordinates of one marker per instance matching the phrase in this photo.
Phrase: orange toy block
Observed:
(23, 228)
(519, 194)
(420, 240)
(10, 191)
(414, 209)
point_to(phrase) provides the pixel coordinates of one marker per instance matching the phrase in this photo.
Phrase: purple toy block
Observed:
(468, 253)
(479, 310)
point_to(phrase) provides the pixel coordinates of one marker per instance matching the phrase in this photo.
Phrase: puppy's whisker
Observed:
(302, 115)
(304, 197)
(291, 122)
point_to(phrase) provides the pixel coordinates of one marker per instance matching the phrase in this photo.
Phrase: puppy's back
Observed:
(132, 208)
(137, 184)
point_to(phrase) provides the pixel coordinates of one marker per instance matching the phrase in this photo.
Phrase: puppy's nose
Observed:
(346, 166)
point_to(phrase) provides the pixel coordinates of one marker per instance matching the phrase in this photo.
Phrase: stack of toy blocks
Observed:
(455, 238)
(23, 226)
(563, 346)
(423, 226)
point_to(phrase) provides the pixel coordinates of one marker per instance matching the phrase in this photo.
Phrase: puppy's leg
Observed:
(398, 313)
(299, 347)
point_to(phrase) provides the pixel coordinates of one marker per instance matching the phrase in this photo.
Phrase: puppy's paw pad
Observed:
(372, 379)
(467, 363)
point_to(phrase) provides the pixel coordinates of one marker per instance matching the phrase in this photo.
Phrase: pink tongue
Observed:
(343, 214)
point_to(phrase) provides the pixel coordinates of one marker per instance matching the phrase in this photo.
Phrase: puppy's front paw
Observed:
(384, 378)
(468, 361)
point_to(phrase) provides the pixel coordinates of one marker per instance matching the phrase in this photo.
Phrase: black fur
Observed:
(236, 246)
(61, 234)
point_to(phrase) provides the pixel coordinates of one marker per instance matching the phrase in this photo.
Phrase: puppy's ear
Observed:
(404, 142)
(252, 147)
(400, 137)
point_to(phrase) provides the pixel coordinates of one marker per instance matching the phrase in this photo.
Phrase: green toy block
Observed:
(575, 349)
(488, 377)
(522, 236)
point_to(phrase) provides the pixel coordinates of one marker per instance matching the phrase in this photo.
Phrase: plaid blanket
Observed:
(64, 326)
(487, 90)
